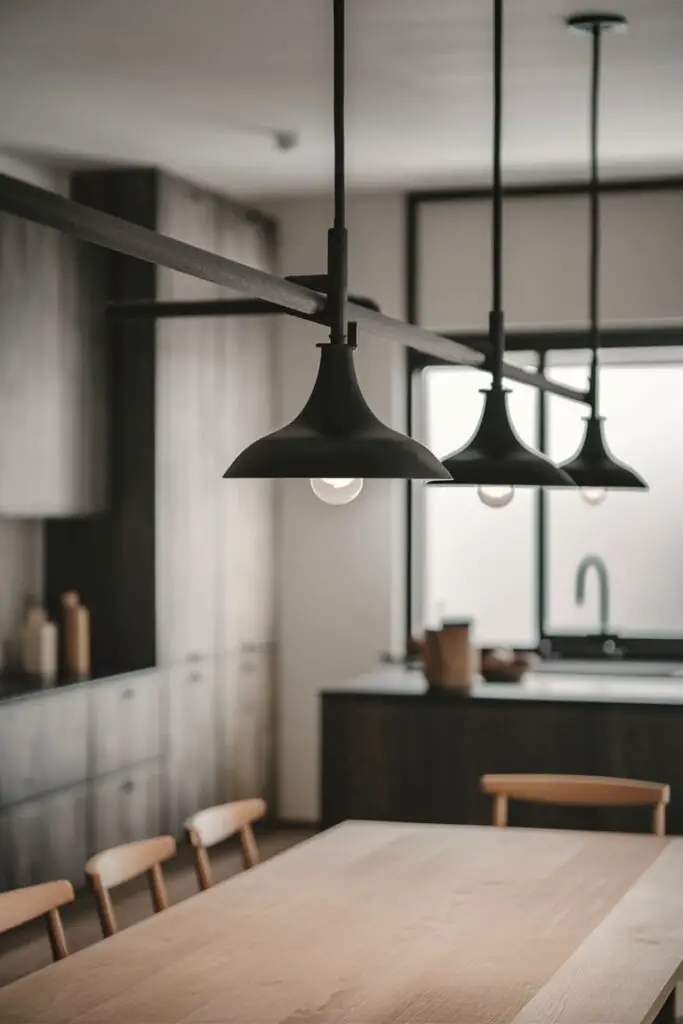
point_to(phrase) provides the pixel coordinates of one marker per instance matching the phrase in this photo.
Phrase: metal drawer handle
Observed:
(128, 786)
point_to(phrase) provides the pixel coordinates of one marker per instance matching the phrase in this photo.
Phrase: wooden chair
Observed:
(577, 790)
(17, 906)
(119, 864)
(214, 824)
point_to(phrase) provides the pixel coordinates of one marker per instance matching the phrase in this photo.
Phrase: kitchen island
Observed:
(392, 749)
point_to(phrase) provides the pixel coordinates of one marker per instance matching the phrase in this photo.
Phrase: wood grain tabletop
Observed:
(374, 923)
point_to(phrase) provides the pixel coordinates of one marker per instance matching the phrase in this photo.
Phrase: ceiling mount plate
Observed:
(603, 22)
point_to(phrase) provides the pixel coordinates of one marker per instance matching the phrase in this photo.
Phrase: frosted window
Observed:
(476, 562)
(637, 534)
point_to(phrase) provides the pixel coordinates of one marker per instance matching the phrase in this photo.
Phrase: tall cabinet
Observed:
(214, 537)
(178, 569)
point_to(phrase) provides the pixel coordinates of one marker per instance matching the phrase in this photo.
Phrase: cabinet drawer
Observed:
(22, 743)
(126, 722)
(65, 737)
(244, 718)
(44, 839)
(193, 730)
(127, 806)
(43, 744)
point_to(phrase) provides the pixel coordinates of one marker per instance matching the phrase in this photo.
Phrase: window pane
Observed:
(477, 562)
(637, 534)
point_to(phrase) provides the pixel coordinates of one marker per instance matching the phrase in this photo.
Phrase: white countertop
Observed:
(557, 684)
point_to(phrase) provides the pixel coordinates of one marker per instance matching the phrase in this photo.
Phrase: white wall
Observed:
(340, 568)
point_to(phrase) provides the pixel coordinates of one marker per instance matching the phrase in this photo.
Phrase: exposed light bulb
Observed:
(336, 491)
(496, 497)
(593, 495)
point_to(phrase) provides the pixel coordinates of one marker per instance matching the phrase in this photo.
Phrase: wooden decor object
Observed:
(21, 905)
(119, 864)
(577, 790)
(450, 661)
(214, 824)
(76, 636)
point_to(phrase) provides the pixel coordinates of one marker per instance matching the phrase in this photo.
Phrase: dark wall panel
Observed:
(110, 558)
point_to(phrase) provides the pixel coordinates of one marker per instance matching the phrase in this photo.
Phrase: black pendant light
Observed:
(337, 436)
(594, 468)
(496, 455)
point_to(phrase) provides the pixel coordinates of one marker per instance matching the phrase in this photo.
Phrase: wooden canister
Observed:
(457, 655)
(450, 661)
(76, 636)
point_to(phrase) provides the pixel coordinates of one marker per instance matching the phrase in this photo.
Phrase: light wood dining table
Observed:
(373, 923)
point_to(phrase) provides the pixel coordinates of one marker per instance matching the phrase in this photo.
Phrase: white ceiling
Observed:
(180, 83)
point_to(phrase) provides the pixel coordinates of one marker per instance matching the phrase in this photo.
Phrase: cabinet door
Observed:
(22, 749)
(126, 721)
(126, 806)
(192, 749)
(43, 743)
(52, 368)
(45, 838)
(65, 736)
(245, 714)
(376, 759)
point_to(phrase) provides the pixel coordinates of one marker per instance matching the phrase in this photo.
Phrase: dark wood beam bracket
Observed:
(89, 225)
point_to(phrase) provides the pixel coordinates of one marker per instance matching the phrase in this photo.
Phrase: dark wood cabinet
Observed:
(420, 757)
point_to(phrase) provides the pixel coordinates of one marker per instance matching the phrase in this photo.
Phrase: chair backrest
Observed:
(214, 824)
(17, 906)
(577, 790)
(119, 864)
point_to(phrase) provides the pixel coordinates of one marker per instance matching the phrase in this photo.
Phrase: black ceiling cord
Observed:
(336, 436)
(496, 316)
(594, 196)
(594, 468)
(337, 236)
(495, 455)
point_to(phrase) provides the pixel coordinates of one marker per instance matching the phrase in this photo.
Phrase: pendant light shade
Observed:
(594, 466)
(496, 455)
(337, 435)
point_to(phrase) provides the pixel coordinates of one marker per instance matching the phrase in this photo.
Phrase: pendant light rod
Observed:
(594, 193)
(339, 90)
(497, 235)
(497, 316)
(337, 243)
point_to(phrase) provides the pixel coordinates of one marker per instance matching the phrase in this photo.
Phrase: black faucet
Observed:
(593, 561)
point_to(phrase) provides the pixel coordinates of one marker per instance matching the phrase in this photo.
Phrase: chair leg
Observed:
(202, 867)
(500, 810)
(157, 888)
(55, 931)
(659, 820)
(105, 907)
(250, 854)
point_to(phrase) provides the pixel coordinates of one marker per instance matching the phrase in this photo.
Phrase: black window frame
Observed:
(566, 645)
